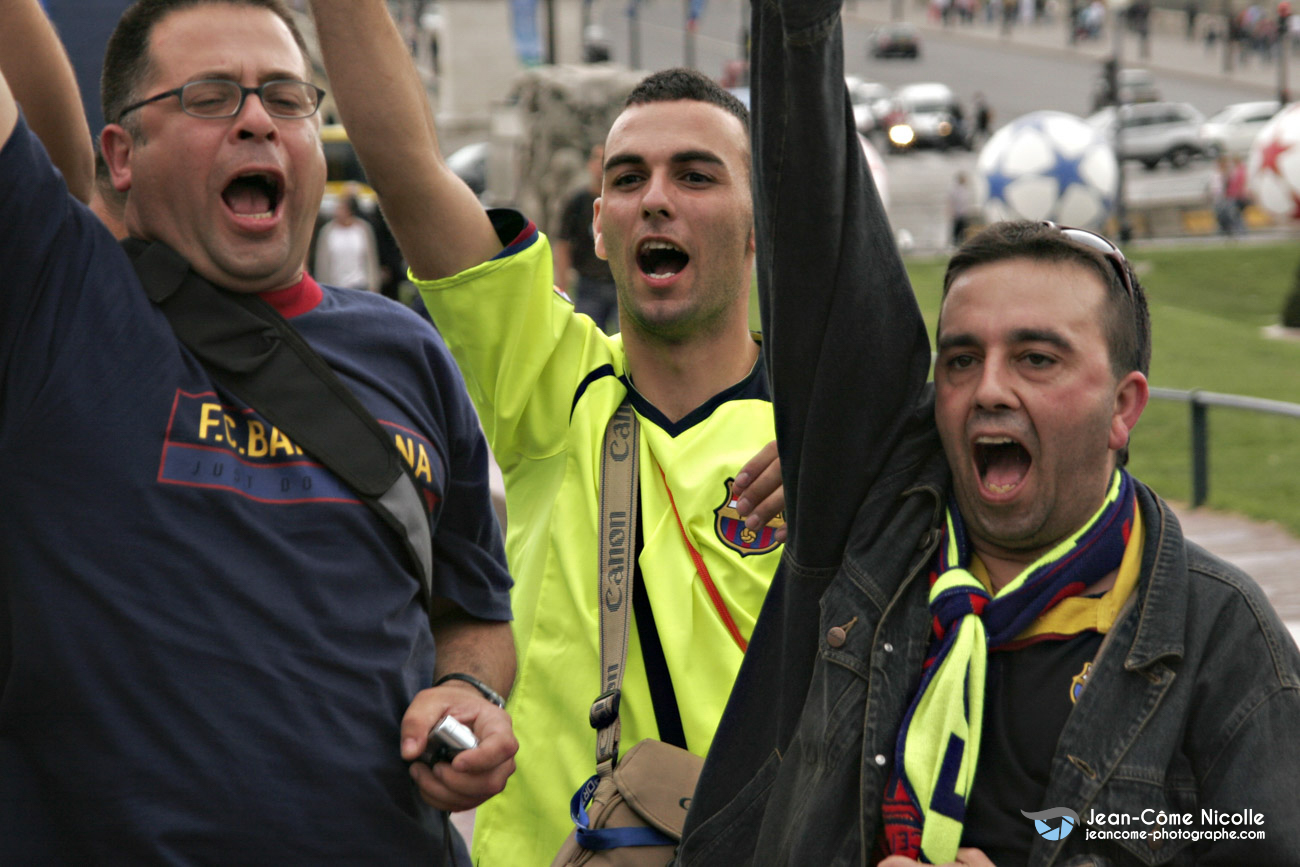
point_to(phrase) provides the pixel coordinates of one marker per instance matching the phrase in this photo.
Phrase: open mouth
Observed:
(255, 195)
(1002, 463)
(661, 259)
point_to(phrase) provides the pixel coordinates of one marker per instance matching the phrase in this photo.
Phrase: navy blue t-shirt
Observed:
(207, 643)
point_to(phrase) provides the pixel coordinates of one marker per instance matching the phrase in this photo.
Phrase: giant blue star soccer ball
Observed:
(1048, 165)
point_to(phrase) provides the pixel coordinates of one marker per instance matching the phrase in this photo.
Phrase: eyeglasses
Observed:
(217, 98)
(1102, 245)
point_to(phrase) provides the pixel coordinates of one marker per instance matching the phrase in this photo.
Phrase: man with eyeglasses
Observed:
(211, 650)
(984, 631)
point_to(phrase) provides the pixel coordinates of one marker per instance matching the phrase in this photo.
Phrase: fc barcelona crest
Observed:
(731, 528)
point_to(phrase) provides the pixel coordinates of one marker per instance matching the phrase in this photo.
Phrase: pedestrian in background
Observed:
(347, 254)
(1238, 191)
(593, 292)
(1225, 207)
(983, 117)
(960, 208)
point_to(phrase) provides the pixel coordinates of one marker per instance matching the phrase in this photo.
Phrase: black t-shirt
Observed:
(575, 227)
(1028, 695)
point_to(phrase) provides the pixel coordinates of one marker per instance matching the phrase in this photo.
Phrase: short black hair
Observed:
(127, 59)
(670, 85)
(1128, 321)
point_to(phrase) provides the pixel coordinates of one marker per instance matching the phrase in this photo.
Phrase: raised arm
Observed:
(845, 341)
(35, 73)
(436, 219)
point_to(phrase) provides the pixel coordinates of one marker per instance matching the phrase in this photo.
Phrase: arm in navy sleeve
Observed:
(469, 616)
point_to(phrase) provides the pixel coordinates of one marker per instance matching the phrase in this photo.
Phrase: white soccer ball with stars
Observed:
(1047, 165)
(1274, 165)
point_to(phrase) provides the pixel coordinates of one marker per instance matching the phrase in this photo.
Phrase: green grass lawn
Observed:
(1209, 305)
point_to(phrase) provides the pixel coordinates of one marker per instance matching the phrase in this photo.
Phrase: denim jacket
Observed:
(1194, 700)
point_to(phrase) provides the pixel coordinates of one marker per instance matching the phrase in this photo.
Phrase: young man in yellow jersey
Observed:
(675, 222)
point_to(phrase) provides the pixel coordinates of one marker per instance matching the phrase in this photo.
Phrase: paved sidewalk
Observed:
(1264, 550)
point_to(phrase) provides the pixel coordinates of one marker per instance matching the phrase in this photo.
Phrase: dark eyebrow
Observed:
(1037, 335)
(1022, 335)
(697, 156)
(693, 156)
(950, 341)
(623, 160)
(226, 75)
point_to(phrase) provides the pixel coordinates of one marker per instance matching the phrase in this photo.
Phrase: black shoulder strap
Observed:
(253, 352)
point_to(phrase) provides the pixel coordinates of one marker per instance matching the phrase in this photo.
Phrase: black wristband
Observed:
(488, 692)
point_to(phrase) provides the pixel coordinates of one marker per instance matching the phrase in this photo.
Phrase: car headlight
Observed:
(901, 135)
(944, 127)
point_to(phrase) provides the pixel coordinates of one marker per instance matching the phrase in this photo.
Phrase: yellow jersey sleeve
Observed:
(522, 348)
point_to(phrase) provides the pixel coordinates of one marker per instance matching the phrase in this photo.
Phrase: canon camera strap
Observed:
(619, 496)
(254, 353)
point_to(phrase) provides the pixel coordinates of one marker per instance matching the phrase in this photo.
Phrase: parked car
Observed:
(1233, 129)
(1154, 131)
(899, 39)
(871, 102)
(1135, 85)
(927, 115)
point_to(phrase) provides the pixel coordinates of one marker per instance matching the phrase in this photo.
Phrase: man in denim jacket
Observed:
(1179, 733)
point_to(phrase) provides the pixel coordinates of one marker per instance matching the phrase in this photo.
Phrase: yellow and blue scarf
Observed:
(939, 741)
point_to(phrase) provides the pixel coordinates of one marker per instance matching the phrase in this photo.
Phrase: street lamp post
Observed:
(1117, 64)
(1229, 32)
(1283, 49)
(744, 33)
(634, 33)
(690, 36)
(551, 57)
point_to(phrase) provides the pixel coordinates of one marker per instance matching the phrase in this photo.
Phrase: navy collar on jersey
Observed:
(752, 387)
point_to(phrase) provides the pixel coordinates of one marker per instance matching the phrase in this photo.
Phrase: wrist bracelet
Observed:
(488, 692)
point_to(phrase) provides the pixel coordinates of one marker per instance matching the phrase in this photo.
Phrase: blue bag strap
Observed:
(608, 838)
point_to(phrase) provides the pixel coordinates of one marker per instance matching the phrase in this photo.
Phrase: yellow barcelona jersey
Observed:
(545, 381)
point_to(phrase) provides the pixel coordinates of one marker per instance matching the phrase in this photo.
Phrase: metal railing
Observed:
(1200, 402)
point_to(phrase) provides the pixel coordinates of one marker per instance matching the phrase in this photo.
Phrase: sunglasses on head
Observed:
(1102, 245)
